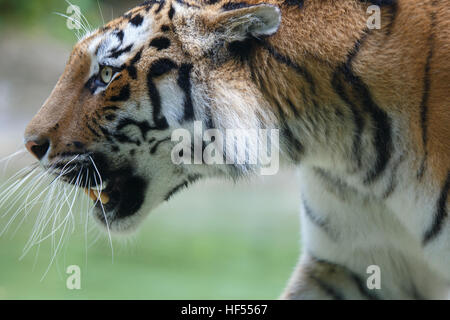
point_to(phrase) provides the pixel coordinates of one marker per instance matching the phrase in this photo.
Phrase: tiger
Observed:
(362, 113)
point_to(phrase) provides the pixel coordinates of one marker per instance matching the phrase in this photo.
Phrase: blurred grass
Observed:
(210, 242)
(39, 16)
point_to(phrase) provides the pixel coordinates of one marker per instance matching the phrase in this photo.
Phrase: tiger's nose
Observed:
(38, 148)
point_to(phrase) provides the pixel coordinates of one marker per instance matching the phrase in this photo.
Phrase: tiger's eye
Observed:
(106, 74)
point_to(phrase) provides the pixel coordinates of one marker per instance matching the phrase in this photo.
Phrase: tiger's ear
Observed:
(238, 21)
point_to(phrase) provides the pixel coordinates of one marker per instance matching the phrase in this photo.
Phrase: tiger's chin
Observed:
(117, 225)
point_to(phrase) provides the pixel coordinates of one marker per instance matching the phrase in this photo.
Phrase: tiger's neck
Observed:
(309, 79)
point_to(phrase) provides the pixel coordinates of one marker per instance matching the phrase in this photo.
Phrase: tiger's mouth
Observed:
(97, 195)
(117, 194)
(122, 197)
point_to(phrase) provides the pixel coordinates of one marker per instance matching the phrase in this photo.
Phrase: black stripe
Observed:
(176, 189)
(362, 286)
(119, 34)
(187, 4)
(159, 121)
(161, 66)
(441, 213)
(382, 125)
(123, 138)
(298, 3)
(143, 126)
(380, 2)
(156, 145)
(132, 71)
(241, 50)
(288, 62)
(137, 20)
(424, 112)
(209, 121)
(158, 68)
(393, 12)
(115, 53)
(104, 29)
(118, 136)
(94, 132)
(110, 117)
(293, 108)
(318, 221)
(161, 5)
(171, 12)
(358, 120)
(160, 43)
(136, 57)
(106, 134)
(383, 142)
(78, 145)
(333, 184)
(425, 98)
(193, 178)
(393, 179)
(328, 289)
(359, 281)
(149, 3)
(235, 5)
(295, 147)
(97, 116)
(124, 94)
(184, 81)
(110, 108)
(94, 121)
(189, 180)
(423, 165)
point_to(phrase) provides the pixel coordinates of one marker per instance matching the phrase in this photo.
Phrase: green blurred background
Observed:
(216, 240)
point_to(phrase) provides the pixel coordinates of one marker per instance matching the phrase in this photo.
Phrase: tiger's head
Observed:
(107, 125)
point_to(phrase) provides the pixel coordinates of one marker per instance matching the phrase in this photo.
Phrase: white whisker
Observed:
(48, 193)
(7, 159)
(101, 13)
(103, 209)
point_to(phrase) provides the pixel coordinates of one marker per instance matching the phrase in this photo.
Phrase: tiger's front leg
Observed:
(345, 234)
(316, 279)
